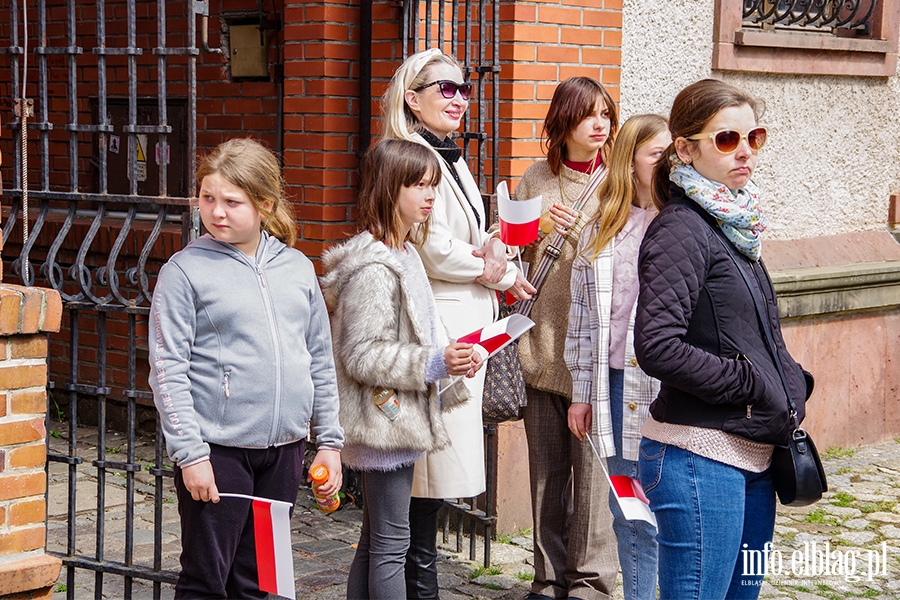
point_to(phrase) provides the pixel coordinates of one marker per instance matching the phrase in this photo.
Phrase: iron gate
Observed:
(109, 205)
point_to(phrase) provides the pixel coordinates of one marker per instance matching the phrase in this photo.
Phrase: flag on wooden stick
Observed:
(519, 219)
(629, 493)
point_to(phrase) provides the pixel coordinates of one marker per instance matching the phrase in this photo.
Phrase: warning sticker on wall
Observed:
(141, 157)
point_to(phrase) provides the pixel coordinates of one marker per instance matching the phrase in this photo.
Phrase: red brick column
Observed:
(542, 44)
(321, 119)
(26, 315)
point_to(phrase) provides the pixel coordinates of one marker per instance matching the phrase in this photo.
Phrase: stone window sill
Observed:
(736, 48)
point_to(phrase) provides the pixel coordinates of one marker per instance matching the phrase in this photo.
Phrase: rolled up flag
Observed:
(628, 492)
(491, 339)
(519, 219)
(274, 560)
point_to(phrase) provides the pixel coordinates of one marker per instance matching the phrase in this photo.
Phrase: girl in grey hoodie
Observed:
(241, 363)
(391, 352)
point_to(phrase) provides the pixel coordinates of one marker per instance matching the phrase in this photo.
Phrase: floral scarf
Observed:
(739, 213)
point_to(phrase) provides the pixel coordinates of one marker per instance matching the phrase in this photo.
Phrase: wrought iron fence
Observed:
(96, 224)
(811, 15)
(474, 36)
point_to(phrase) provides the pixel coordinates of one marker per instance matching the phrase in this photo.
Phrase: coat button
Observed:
(632, 405)
(633, 361)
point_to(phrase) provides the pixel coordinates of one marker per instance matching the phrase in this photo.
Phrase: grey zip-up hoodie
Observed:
(240, 350)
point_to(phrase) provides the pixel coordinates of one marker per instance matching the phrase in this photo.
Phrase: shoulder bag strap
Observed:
(552, 251)
(770, 342)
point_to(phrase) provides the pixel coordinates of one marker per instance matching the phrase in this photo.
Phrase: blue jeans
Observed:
(708, 514)
(636, 539)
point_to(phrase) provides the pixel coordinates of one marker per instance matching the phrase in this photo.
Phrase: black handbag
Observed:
(504, 381)
(796, 469)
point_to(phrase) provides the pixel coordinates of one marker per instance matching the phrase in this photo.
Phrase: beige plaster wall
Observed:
(834, 152)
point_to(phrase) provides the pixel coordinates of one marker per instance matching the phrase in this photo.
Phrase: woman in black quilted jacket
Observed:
(722, 407)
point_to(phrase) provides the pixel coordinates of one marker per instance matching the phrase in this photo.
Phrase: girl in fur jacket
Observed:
(391, 353)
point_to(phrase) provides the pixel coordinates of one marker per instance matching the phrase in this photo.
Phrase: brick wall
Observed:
(321, 122)
(26, 315)
(542, 44)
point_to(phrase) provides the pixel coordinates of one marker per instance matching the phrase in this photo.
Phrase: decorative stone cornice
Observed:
(819, 291)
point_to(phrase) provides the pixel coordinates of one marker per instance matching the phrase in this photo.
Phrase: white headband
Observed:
(416, 63)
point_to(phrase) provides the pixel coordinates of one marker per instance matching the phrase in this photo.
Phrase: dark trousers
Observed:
(421, 558)
(377, 571)
(218, 552)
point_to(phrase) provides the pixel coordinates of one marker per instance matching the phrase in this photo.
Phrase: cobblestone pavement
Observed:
(853, 534)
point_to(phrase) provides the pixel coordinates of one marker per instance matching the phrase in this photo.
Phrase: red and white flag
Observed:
(491, 339)
(631, 498)
(629, 493)
(274, 559)
(519, 219)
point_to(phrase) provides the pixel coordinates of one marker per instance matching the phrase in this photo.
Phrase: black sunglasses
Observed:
(449, 88)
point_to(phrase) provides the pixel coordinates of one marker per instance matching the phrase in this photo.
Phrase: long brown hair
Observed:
(247, 164)
(619, 189)
(693, 108)
(573, 101)
(389, 166)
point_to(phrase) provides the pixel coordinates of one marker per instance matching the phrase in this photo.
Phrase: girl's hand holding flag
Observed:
(461, 359)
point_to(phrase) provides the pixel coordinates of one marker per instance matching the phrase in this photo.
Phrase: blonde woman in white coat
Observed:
(425, 103)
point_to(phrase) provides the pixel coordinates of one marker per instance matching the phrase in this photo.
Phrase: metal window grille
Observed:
(823, 16)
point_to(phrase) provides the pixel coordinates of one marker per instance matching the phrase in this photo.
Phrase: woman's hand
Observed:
(331, 460)
(521, 289)
(580, 416)
(494, 255)
(200, 481)
(564, 217)
(461, 359)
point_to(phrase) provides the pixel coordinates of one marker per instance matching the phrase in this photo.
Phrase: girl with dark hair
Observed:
(610, 393)
(466, 265)
(573, 551)
(707, 447)
(391, 351)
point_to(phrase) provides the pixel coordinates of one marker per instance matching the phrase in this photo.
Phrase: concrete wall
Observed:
(833, 156)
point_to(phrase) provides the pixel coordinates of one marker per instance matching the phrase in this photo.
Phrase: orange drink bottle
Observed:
(327, 504)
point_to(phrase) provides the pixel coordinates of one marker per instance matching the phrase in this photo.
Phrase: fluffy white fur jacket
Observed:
(378, 341)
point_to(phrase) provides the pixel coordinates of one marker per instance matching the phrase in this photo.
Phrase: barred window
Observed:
(832, 17)
(821, 37)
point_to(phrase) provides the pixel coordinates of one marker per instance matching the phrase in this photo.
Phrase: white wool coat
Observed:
(379, 340)
(465, 306)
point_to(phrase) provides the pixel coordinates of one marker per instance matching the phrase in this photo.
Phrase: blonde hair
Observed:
(399, 121)
(247, 164)
(389, 166)
(619, 189)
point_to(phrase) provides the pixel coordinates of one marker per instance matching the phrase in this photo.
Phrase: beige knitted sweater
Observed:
(541, 349)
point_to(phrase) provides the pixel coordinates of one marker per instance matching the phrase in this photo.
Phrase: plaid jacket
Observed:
(587, 354)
